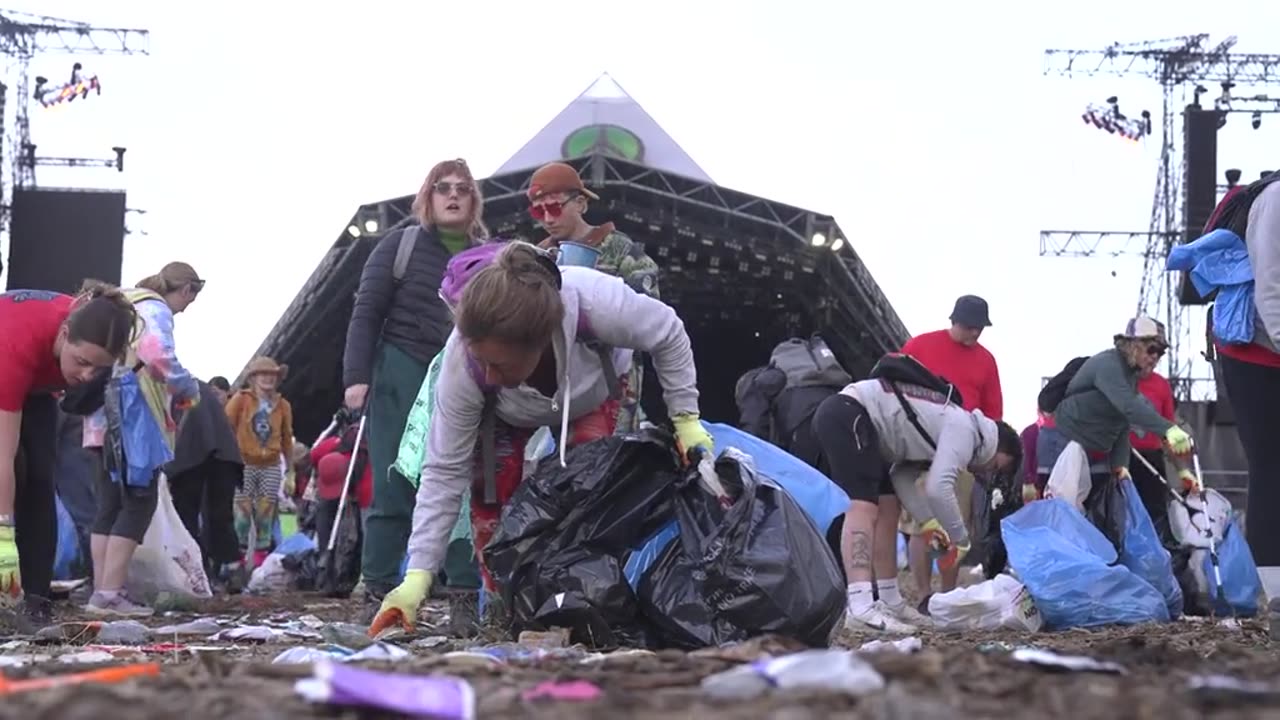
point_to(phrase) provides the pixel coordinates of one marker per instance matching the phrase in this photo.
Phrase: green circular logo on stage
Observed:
(609, 140)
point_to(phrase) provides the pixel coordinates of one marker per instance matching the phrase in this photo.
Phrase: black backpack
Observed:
(899, 369)
(1053, 392)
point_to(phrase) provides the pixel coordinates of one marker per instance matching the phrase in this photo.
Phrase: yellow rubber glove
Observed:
(1190, 483)
(691, 434)
(1179, 441)
(947, 553)
(10, 576)
(400, 606)
(1029, 493)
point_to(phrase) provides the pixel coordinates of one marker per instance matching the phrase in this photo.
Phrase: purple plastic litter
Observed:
(464, 266)
(436, 696)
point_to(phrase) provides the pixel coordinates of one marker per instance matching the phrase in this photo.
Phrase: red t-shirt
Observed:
(972, 369)
(1251, 353)
(1156, 389)
(29, 324)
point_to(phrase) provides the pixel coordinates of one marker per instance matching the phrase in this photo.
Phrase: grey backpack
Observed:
(408, 239)
(809, 363)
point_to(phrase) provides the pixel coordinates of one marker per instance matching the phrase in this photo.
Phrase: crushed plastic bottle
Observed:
(834, 670)
(123, 632)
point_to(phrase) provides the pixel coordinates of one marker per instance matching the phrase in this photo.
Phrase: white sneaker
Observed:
(909, 615)
(876, 616)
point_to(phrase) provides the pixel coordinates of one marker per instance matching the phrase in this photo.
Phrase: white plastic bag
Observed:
(1070, 479)
(169, 559)
(999, 604)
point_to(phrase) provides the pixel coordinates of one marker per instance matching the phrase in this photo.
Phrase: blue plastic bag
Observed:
(1241, 585)
(145, 449)
(820, 498)
(68, 544)
(1066, 564)
(640, 560)
(1219, 260)
(1143, 552)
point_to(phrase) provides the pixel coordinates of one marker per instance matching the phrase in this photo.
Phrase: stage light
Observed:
(1256, 120)
(353, 230)
(839, 243)
(819, 240)
(371, 226)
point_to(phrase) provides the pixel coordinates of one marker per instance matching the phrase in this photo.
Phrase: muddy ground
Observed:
(969, 676)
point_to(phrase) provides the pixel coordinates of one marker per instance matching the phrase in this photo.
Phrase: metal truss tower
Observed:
(22, 37)
(1179, 65)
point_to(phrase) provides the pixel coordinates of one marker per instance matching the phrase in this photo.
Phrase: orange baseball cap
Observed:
(557, 177)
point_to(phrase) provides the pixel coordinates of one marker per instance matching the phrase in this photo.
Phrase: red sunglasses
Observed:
(549, 209)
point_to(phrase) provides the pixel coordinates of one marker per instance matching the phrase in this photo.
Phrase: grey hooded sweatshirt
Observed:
(964, 440)
(616, 316)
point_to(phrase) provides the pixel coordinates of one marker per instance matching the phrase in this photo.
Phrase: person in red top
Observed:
(49, 342)
(1155, 388)
(955, 354)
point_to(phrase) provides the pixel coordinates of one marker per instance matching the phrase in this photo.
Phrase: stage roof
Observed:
(605, 119)
(741, 270)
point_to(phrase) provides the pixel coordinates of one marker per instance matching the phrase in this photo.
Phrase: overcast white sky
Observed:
(256, 129)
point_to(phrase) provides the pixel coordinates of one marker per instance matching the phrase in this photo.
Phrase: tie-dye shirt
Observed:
(156, 350)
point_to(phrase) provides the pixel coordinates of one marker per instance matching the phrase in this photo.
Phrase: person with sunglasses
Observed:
(558, 201)
(535, 346)
(126, 491)
(397, 326)
(1101, 405)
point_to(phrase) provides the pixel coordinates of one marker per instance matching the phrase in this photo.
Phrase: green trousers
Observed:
(396, 380)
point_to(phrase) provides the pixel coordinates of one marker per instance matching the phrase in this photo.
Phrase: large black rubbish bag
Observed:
(1108, 510)
(337, 573)
(564, 537)
(759, 566)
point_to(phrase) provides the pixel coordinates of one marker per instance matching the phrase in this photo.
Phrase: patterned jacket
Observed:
(162, 378)
(623, 257)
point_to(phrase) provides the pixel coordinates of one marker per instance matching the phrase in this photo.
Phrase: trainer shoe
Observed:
(909, 615)
(876, 616)
(116, 604)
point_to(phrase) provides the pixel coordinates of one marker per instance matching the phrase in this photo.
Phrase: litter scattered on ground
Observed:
(1172, 671)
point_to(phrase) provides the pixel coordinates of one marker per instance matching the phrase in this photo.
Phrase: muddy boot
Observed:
(370, 604)
(495, 621)
(464, 613)
(33, 613)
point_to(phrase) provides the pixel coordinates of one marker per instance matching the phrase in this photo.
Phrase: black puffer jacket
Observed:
(408, 314)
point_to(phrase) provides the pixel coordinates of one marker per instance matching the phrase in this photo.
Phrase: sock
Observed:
(860, 595)
(889, 592)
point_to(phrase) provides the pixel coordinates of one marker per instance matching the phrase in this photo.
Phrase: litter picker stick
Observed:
(1174, 493)
(328, 431)
(1204, 502)
(342, 500)
(1208, 525)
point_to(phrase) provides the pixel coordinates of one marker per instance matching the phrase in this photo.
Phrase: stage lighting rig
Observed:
(1108, 117)
(79, 86)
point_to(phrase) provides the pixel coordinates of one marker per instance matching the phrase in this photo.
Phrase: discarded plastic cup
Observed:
(572, 253)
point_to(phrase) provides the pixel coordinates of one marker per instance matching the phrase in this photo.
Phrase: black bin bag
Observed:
(758, 566)
(564, 537)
